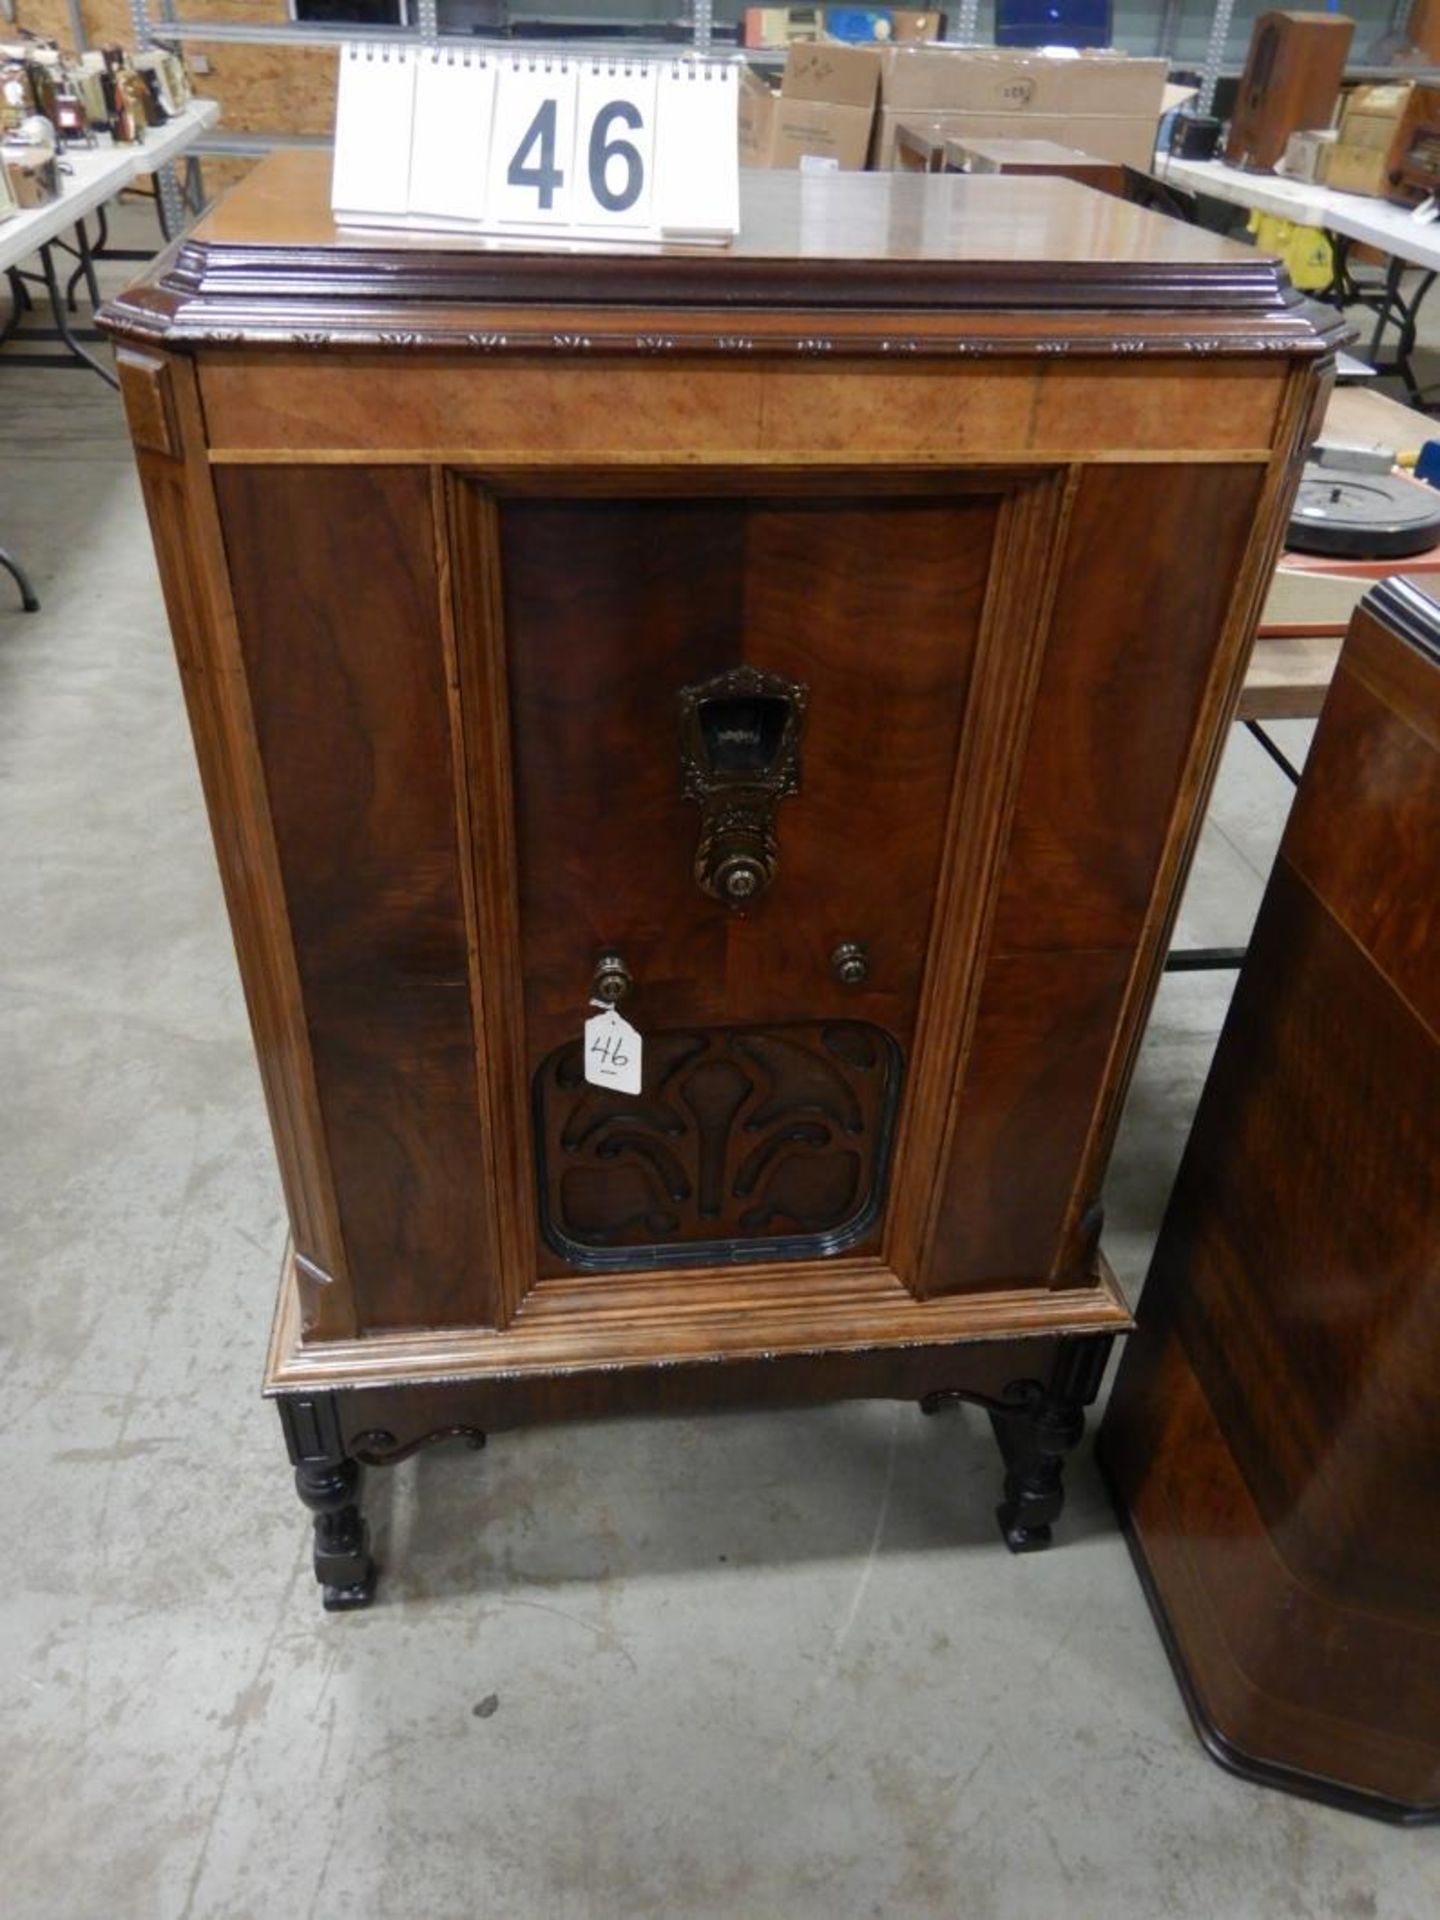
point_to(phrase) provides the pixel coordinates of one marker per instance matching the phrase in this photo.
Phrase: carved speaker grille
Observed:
(749, 1142)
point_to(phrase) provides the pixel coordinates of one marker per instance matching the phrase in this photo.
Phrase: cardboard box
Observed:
(1128, 142)
(811, 135)
(843, 76)
(993, 81)
(823, 114)
(1353, 169)
(755, 117)
(1359, 159)
(1372, 114)
(1306, 154)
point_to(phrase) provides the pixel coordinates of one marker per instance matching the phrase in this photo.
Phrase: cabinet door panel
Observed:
(869, 600)
(610, 609)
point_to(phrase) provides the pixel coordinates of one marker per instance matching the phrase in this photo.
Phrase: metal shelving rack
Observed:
(167, 25)
(155, 21)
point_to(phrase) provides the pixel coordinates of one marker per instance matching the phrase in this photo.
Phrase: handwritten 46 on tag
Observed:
(612, 1053)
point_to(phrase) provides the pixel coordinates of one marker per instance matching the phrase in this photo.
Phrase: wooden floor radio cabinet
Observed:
(820, 646)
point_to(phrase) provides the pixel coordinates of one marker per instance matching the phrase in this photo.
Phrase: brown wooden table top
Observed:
(860, 263)
(840, 219)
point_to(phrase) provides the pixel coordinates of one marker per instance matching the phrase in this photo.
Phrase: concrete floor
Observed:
(747, 1666)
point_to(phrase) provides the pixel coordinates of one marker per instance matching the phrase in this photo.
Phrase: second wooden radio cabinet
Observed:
(823, 646)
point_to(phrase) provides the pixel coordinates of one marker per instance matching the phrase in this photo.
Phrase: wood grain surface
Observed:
(1274, 1431)
(337, 603)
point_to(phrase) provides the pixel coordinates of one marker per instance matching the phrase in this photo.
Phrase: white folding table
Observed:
(91, 178)
(1349, 218)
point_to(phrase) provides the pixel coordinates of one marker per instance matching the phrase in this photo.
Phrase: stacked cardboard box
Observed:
(821, 117)
(825, 112)
(1107, 104)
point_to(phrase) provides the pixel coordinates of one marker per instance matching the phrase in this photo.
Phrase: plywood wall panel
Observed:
(260, 89)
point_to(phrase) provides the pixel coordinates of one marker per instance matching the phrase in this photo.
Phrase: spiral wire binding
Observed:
(628, 66)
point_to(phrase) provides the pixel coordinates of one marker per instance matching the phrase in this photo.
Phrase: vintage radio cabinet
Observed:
(1293, 72)
(824, 643)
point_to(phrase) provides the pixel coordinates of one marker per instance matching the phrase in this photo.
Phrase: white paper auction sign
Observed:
(466, 139)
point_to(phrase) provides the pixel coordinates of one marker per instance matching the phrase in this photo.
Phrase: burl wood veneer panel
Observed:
(294, 406)
(337, 597)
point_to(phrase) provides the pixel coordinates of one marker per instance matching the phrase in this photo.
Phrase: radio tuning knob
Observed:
(850, 963)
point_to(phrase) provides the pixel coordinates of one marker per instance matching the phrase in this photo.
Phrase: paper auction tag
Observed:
(612, 1053)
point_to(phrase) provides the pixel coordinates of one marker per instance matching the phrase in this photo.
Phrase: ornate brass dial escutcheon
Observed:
(739, 758)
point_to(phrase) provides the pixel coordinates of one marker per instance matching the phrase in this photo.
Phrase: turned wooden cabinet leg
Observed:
(1036, 1436)
(1034, 1445)
(329, 1481)
(1037, 1422)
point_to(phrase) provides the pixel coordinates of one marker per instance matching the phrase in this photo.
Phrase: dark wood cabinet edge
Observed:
(1222, 1750)
(491, 276)
(1403, 605)
(987, 320)
(183, 515)
(999, 1376)
(442, 1356)
(211, 294)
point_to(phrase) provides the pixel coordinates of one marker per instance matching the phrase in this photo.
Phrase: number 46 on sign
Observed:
(461, 138)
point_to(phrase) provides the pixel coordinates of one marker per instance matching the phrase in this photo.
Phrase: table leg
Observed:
(12, 566)
(194, 189)
(100, 247)
(1391, 309)
(20, 302)
(85, 270)
(1410, 312)
(1229, 959)
(169, 202)
(62, 324)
